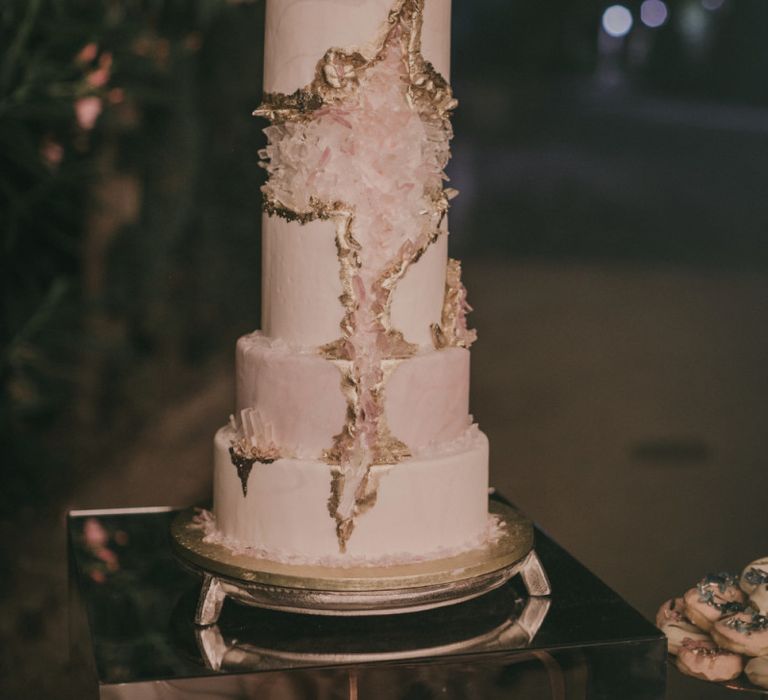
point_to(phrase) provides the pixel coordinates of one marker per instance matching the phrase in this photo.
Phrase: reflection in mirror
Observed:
(252, 639)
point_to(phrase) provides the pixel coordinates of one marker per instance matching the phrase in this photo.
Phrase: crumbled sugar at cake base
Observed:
(206, 521)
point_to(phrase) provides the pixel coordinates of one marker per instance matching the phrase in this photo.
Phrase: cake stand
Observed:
(219, 649)
(361, 590)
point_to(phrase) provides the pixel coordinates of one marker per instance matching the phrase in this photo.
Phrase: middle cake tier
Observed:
(301, 286)
(299, 395)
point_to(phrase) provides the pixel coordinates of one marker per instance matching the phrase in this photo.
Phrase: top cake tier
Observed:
(299, 32)
(301, 284)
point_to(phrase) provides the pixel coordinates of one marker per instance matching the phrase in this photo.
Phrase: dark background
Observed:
(613, 223)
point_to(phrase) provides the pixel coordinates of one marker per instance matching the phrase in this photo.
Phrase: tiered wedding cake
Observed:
(352, 440)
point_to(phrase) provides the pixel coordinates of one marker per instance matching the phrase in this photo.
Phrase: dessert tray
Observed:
(348, 591)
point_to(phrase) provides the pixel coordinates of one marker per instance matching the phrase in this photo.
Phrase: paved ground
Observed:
(626, 410)
(627, 414)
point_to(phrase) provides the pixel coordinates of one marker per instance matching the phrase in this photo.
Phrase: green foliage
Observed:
(40, 213)
(103, 156)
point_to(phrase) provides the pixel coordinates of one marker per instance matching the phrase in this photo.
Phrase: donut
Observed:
(757, 671)
(754, 582)
(714, 597)
(754, 574)
(681, 631)
(759, 599)
(671, 611)
(745, 633)
(704, 660)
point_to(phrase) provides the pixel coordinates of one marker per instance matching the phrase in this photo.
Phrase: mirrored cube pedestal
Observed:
(132, 630)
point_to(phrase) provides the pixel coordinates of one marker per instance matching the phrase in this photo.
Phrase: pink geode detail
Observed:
(372, 150)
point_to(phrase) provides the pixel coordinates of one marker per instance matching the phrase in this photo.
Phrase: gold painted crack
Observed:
(452, 329)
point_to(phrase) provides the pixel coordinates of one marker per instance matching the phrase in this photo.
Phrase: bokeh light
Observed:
(617, 21)
(653, 13)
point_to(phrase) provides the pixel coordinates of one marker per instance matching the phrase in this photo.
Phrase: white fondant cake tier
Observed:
(301, 285)
(426, 397)
(299, 32)
(429, 506)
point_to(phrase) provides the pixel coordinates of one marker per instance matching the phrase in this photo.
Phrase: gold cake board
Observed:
(359, 590)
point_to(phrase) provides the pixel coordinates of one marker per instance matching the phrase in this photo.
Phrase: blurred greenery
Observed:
(123, 128)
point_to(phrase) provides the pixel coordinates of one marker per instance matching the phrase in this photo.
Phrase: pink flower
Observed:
(51, 152)
(87, 53)
(94, 533)
(116, 96)
(87, 111)
(106, 555)
(100, 77)
(97, 575)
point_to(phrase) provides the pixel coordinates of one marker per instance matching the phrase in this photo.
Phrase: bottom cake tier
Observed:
(428, 506)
